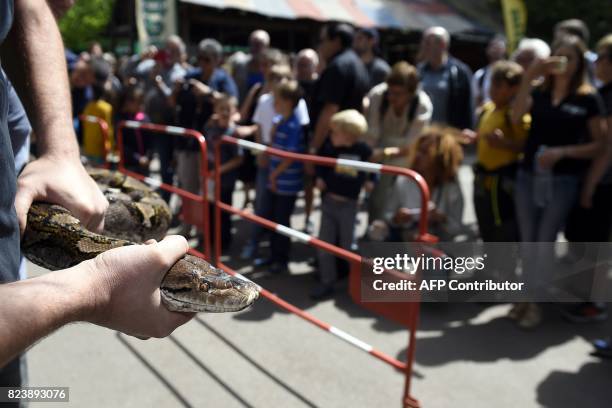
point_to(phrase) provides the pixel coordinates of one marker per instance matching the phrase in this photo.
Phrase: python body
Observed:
(55, 239)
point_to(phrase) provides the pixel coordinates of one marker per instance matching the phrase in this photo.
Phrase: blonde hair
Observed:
(605, 46)
(350, 121)
(445, 152)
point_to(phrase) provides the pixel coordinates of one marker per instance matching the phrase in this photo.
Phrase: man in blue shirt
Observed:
(88, 291)
(195, 105)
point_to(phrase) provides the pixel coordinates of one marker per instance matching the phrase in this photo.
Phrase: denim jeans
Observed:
(542, 224)
(261, 203)
(280, 208)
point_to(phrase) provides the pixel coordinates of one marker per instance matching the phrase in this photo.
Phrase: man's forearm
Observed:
(322, 126)
(33, 57)
(33, 308)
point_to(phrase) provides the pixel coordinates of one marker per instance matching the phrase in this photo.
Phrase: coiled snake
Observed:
(55, 239)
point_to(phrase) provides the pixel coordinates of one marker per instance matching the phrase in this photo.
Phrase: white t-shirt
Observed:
(265, 113)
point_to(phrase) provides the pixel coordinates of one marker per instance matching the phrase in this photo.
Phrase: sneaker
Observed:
(278, 268)
(587, 312)
(531, 318)
(248, 252)
(603, 348)
(309, 227)
(259, 262)
(322, 291)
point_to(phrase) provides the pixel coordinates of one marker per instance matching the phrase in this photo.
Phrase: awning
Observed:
(401, 14)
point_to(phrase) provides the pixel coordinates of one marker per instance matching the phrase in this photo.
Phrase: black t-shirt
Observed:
(562, 125)
(378, 69)
(606, 95)
(344, 82)
(343, 180)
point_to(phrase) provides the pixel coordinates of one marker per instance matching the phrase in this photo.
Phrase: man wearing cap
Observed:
(365, 45)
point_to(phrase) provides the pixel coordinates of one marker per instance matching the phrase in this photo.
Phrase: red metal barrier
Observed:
(195, 209)
(407, 315)
(105, 135)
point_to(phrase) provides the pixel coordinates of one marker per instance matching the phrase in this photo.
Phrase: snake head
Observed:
(193, 285)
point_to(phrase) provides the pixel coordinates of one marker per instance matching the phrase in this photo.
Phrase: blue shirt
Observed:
(194, 114)
(288, 136)
(220, 81)
(9, 228)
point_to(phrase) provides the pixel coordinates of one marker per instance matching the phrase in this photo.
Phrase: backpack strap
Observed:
(414, 104)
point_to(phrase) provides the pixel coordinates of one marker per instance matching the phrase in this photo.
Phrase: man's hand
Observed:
(550, 157)
(123, 288)
(320, 184)
(496, 139)
(369, 186)
(403, 216)
(199, 88)
(468, 136)
(272, 180)
(64, 182)
(119, 289)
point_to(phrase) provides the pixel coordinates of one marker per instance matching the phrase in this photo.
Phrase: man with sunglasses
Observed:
(193, 100)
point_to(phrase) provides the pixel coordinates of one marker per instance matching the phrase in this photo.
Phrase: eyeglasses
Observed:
(205, 58)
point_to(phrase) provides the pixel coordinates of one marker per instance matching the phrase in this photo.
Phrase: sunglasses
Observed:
(205, 58)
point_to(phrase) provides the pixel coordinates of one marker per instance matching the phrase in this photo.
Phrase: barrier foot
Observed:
(410, 402)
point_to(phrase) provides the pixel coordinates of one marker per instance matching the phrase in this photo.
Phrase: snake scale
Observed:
(55, 239)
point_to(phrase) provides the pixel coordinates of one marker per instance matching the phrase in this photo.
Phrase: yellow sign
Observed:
(515, 20)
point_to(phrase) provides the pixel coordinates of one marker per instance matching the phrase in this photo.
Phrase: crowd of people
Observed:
(538, 118)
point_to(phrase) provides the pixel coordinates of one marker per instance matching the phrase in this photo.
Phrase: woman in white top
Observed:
(397, 113)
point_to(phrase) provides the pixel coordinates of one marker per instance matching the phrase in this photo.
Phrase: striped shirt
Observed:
(289, 136)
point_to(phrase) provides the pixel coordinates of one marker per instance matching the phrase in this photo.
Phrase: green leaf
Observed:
(85, 22)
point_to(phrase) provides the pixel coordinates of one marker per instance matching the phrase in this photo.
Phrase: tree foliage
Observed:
(542, 15)
(85, 23)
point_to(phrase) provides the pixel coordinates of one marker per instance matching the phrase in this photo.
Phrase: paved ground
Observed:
(467, 355)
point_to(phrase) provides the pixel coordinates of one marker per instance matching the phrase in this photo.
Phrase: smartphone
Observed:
(560, 65)
(162, 57)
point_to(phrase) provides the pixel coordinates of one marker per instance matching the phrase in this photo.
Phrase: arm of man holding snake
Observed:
(118, 289)
(33, 58)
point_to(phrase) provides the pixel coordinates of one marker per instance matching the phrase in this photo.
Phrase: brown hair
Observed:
(225, 98)
(289, 90)
(279, 72)
(507, 71)
(405, 75)
(579, 83)
(445, 151)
